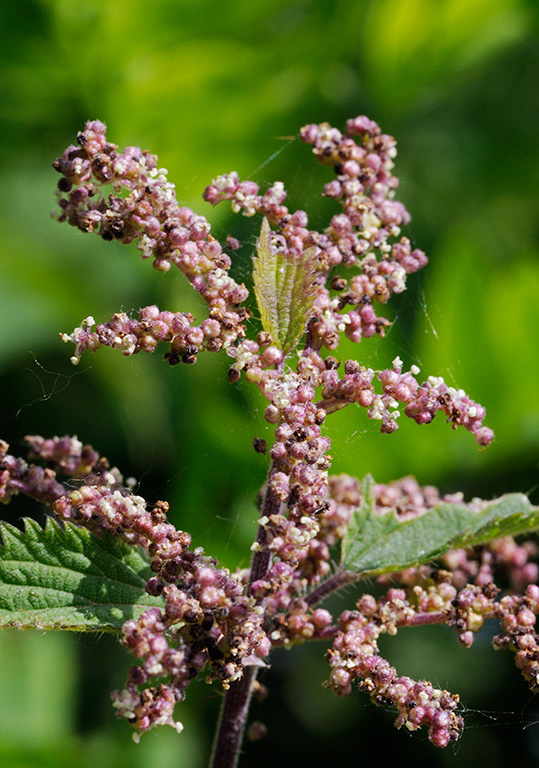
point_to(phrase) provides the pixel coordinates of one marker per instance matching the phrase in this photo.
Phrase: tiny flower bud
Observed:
(260, 445)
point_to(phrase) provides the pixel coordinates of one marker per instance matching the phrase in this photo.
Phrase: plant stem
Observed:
(260, 563)
(235, 707)
(422, 619)
(226, 750)
(334, 404)
(338, 580)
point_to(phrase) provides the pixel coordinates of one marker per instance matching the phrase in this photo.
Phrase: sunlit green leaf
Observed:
(69, 579)
(285, 289)
(378, 542)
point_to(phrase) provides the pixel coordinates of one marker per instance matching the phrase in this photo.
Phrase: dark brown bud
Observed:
(159, 512)
(490, 590)
(214, 345)
(295, 493)
(264, 339)
(233, 375)
(172, 358)
(154, 587)
(207, 623)
(324, 463)
(215, 654)
(320, 416)
(190, 355)
(381, 292)
(331, 363)
(260, 445)
(338, 283)
(117, 227)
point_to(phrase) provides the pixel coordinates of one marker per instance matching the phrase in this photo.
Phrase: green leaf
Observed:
(70, 579)
(285, 289)
(377, 542)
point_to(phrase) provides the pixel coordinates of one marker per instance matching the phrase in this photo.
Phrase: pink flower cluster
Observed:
(207, 619)
(142, 207)
(354, 655)
(176, 329)
(518, 616)
(16, 476)
(208, 622)
(225, 624)
(369, 225)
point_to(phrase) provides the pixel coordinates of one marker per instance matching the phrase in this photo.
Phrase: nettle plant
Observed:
(108, 561)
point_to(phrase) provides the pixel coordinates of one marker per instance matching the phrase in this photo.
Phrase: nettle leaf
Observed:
(56, 578)
(285, 289)
(377, 542)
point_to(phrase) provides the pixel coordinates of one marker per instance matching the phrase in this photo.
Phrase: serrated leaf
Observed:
(377, 542)
(285, 289)
(56, 578)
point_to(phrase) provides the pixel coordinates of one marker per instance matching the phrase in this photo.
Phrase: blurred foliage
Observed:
(214, 87)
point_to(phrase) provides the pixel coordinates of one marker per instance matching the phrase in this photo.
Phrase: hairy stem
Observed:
(236, 701)
(262, 557)
(227, 745)
(422, 619)
(338, 580)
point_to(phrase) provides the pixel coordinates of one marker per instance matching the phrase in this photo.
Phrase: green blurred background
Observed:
(213, 87)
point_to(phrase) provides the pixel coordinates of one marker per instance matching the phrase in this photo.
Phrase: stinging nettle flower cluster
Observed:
(439, 558)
